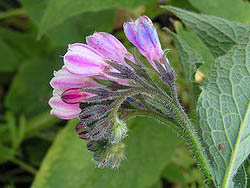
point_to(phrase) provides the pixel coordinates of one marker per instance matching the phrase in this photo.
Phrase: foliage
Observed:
(210, 55)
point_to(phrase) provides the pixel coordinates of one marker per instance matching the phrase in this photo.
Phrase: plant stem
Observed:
(193, 141)
(24, 165)
(153, 115)
(13, 12)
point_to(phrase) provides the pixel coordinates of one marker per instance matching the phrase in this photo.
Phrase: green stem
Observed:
(24, 166)
(193, 141)
(153, 115)
(13, 12)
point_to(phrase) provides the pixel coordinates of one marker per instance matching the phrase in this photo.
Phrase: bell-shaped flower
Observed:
(109, 46)
(85, 60)
(66, 99)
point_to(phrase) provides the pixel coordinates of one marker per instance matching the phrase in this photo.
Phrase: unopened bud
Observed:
(119, 131)
(74, 96)
(199, 76)
(94, 146)
(110, 156)
(80, 126)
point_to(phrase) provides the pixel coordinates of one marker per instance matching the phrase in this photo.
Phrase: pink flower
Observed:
(85, 60)
(65, 104)
(143, 35)
(109, 46)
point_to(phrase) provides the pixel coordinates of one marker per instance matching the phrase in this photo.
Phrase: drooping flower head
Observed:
(81, 89)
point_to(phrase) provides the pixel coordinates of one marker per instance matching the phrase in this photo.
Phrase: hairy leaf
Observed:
(224, 111)
(223, 106)
(188, 57)
(218, 34)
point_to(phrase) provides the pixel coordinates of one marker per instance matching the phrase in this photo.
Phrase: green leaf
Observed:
(6, 154)
(57, 12)
(9, 61)
(16, 47)
(224, 111)
(75, 28)
(12, 128)
(223, 106)
(218, 35)
(30, 90)
(174, 173)
(68, 163)
(188, 57)
(235, 10)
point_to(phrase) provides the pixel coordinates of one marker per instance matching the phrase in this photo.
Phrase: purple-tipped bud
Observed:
(143, 35)
(80, 126)
(84, 135)
(75, 96)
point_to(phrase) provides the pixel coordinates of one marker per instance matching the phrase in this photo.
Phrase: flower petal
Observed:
(63, 110)
(64, 80)
(83, 59)
(109, 46)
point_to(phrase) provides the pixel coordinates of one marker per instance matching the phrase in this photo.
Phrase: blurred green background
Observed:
(39, 150)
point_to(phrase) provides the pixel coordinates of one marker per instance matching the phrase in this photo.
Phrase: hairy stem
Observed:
(193, 141)
(151, 114)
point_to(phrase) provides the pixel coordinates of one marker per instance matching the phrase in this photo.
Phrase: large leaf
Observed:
(74, 29)
(56, 12)
(223, 106)
(30, 90)
(16, 47)
(224, 111)
(68, 163)
(235, 10)
(218, 34)
(188, 57)
(9, 61)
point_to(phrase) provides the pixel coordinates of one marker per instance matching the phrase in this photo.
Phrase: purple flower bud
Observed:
(80, 126)
(75, 96)
(84, 135)
(143, 35)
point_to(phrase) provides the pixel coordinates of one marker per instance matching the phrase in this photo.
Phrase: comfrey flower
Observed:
(101, 83)
(143, 35)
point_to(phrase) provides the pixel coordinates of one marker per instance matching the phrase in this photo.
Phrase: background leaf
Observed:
(30, 90)
(150, 145)
(235, 10)
(56, 13)
(73, 29)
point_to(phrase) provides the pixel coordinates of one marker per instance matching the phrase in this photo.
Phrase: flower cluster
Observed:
(101, 80)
